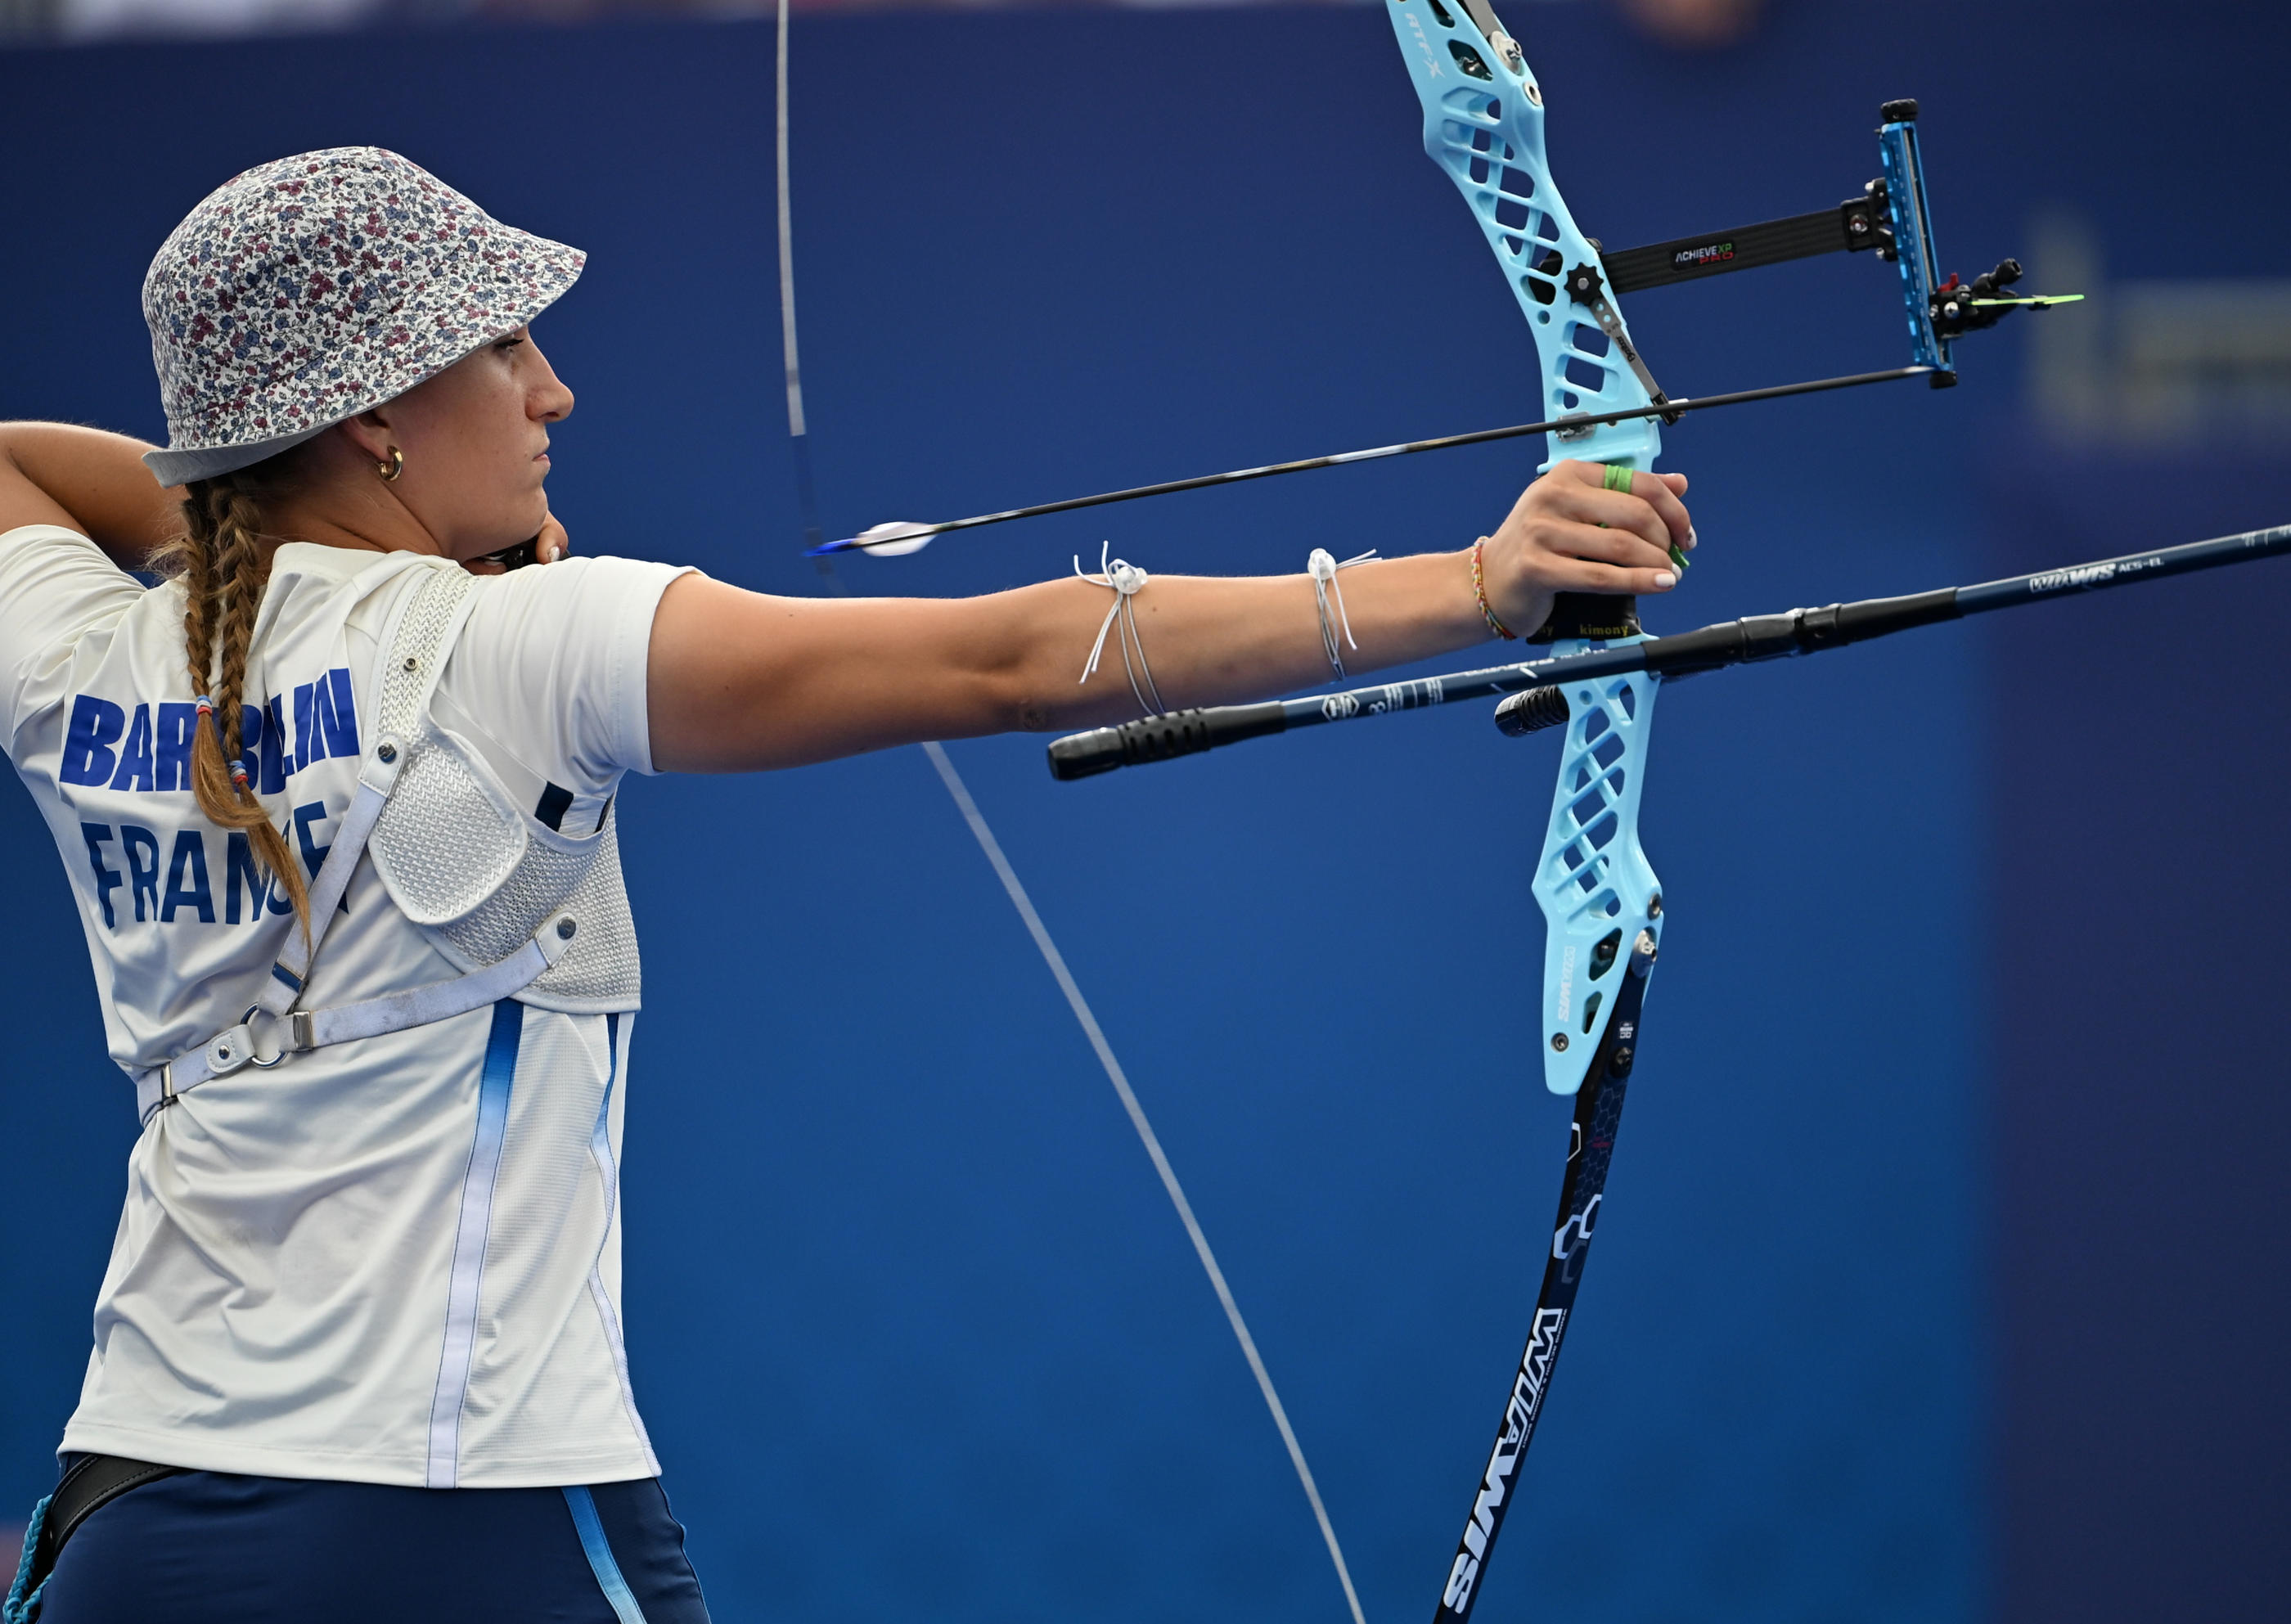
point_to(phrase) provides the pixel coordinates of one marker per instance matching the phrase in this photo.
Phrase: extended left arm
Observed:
(739, 681)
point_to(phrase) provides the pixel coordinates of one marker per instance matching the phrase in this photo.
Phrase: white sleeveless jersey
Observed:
(395, 1261)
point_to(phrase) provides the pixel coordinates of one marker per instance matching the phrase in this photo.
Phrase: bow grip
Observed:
(1160, 738)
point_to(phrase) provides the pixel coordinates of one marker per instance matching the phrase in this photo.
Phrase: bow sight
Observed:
(1890, 217)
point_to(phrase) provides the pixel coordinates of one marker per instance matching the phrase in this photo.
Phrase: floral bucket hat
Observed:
(318, 287)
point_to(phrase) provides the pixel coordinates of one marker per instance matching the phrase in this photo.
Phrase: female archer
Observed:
(336, 802)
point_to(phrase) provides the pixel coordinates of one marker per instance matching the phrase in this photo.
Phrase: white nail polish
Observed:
(1690, 537)
(1665, 579)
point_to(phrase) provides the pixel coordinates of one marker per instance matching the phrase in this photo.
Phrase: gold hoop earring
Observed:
(390, 469)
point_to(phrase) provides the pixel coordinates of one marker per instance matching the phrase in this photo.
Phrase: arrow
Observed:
(904, 536)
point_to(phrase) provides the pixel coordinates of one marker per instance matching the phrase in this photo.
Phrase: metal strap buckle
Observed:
(237, 1048)
(254, 1054)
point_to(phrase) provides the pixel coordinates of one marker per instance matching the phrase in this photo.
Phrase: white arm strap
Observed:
(377, 776)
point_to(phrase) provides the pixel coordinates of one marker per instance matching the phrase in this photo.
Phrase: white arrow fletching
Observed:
(895, 539)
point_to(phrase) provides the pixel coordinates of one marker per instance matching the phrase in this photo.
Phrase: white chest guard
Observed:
(476, 873)
(523, 909)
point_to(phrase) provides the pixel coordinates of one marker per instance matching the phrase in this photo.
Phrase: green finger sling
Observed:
(1619, 479)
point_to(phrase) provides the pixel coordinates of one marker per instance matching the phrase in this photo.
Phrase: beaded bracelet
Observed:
(1480, 591)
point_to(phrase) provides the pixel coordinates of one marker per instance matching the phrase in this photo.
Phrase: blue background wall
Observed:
(915, 1331)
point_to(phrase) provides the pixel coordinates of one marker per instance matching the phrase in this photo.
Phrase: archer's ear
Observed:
(369, 433)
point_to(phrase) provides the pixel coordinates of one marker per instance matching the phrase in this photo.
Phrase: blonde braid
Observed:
(195, 561)
(239, 574)
(225, 571)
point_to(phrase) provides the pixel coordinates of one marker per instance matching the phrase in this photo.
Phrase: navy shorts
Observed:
(203, 1548)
